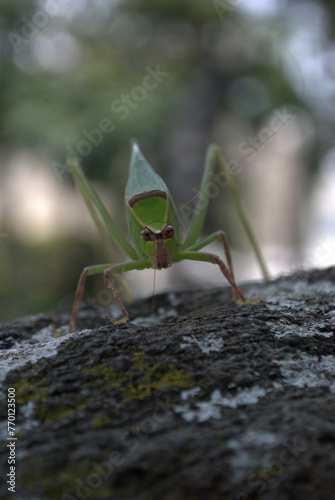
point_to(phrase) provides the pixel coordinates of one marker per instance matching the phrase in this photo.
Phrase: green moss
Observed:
(141, 379)
(35, 389)
(43, 413)
(53, 416)
(100, 372)
(31, 389)
(267, 473)
(138, 382)
(19, 434)
(56, 484)
(100, 421)
(30, 480)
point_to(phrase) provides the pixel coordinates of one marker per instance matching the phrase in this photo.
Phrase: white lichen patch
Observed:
(293, 294)
(243, 447)
(300, 303)
(205, 410)
(304, 370)
(48, 332)
(330, 315)
(155, 319)
(283, 328)
(208, 344)
(190, 392)
(3, 430)
(33, 350)
(28, 422)
(275, 292)
(173, 299)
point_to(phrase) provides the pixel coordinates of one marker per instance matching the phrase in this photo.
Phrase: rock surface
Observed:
(207, 400)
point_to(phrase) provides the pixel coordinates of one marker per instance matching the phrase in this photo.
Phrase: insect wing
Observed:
(142, 177)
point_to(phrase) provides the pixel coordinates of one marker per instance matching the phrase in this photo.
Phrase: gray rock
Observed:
(206, 400)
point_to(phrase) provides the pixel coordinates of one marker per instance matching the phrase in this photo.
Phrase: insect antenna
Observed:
(153, 301)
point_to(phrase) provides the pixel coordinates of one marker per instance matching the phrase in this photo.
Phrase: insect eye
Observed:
(146, 234)
(169, 231)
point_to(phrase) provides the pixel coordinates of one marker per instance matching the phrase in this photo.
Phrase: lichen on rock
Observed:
(213, 401)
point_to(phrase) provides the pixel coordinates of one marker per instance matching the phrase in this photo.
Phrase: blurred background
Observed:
(84, 78)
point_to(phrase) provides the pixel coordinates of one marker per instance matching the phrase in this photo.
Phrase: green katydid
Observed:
(154, 227)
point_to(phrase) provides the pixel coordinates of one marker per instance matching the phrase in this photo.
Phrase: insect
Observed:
(154, 227)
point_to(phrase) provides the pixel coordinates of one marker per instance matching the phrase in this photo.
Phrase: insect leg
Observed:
(93, 202)
(102, 268)
(214, 259)
(80, 290)
(198, 217)
(243, 216)
(215, 160)
(210, 239)
(119, 268)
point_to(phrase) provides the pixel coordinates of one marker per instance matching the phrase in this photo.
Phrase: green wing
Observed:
(142, 177)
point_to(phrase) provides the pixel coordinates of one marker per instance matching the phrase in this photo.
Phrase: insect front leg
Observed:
(214, 259)
(215, 237)
(95, 206)
(80, 290)
(108, 270)
(120, 268)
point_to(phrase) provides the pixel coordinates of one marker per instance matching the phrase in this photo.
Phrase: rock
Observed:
(206, 400)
